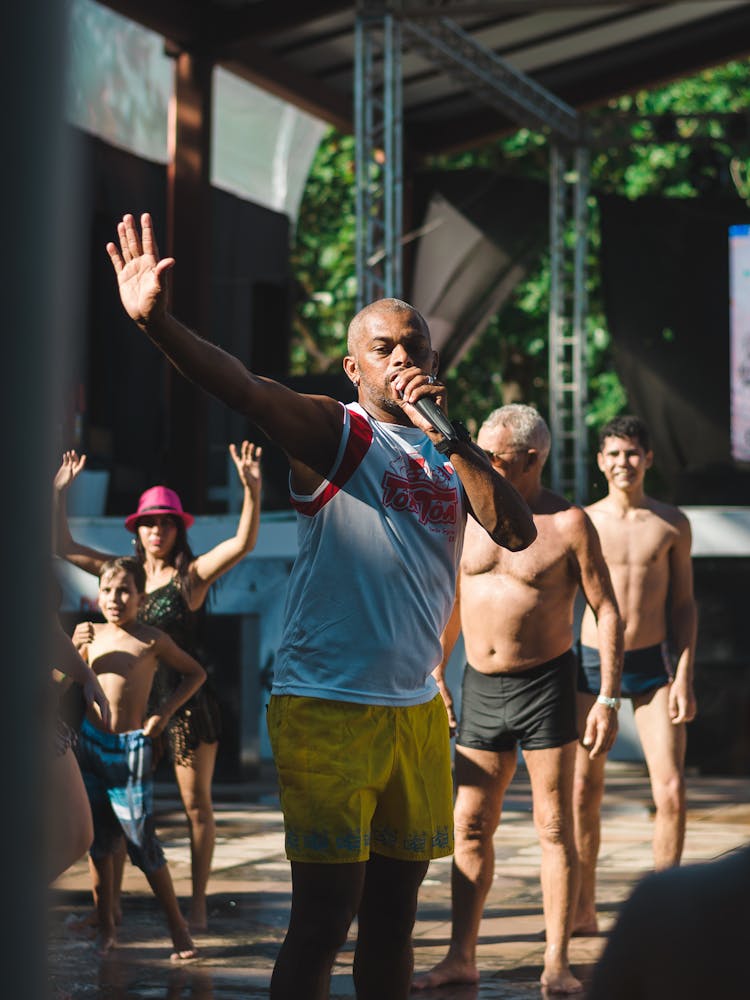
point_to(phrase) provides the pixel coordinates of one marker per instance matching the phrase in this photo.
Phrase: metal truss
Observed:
(493, 79)
(379, 150)
(378, 114)
(568, 384)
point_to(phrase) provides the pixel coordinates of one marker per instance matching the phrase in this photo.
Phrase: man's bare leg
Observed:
(482, 778)
(551, 774)
(325, 900)
(664, 746)
(588, 793)
(161, 884)
(384, 957)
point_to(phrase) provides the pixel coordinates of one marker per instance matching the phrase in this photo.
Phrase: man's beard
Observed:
(382, 399)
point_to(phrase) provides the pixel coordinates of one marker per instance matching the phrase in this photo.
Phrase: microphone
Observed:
(429, 409)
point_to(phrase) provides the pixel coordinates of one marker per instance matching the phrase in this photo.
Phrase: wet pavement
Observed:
(251, 892)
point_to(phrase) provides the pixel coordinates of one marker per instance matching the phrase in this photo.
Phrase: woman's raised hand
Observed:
(247, 461)
(72, 464)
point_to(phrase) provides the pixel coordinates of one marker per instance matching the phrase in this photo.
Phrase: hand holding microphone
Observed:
(452, 434)
(429, 409)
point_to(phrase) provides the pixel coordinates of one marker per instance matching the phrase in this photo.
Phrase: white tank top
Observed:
(374, 581)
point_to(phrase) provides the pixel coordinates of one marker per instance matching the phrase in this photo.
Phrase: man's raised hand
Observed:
(139, 270)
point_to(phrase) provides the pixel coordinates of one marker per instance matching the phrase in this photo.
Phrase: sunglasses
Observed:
(495, 455)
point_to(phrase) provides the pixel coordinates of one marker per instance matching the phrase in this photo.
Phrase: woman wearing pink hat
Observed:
(177, 585)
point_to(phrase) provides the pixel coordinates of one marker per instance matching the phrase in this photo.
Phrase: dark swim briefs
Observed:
(644, 670)
(535, 707)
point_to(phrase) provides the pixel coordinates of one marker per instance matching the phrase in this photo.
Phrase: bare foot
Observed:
(81, 927)
(560, 980)
(450, 971)
(106, 941)
(184, 949)
(585, 924)
(586, 930)
(80, 924)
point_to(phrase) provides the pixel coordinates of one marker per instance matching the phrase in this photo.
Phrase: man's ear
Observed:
(649, 459)
(350, 367)
(532, 457)
(600, 461)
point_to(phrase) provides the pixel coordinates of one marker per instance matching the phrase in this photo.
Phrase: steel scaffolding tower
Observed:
(568, 240)
(379, 150)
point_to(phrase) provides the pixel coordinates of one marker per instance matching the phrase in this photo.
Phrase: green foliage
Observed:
(509, 362)
(322, 259)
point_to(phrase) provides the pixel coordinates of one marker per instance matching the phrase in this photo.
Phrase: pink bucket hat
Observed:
(158, 500)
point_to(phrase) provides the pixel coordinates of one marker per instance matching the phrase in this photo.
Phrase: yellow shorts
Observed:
(356, 778)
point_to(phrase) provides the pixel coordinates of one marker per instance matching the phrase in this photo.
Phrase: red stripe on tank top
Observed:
(357, 446)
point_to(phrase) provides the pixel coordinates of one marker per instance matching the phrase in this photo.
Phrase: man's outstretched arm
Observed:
(493, 501)
(308, 428)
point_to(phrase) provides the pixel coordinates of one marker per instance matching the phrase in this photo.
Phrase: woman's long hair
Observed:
(180, 557)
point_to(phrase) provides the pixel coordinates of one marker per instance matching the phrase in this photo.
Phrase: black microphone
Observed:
(429, 409)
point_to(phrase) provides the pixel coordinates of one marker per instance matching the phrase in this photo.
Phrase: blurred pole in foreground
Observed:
(37, 255)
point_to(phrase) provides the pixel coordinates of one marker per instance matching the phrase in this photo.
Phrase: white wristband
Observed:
(609, 702)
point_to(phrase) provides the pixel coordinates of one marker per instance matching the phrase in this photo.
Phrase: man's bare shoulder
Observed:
(565, 515)
(551, 503)
(667, 512)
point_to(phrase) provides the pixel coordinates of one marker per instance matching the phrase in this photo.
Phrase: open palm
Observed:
(139, 270)
(247, 463)
(70, 467)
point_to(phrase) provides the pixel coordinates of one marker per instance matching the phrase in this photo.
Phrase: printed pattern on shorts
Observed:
(116, 770)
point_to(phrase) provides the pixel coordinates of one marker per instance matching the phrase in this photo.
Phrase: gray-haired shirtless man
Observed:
(646, 545)
(516, 614)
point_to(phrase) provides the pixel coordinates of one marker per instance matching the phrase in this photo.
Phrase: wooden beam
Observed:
(181, 21)
(269, 16)
(189, 235)
(497, 8)
(266, 70)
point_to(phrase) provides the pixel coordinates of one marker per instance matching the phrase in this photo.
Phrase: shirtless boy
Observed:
(516, 614)
(116, 765)
(646, 545)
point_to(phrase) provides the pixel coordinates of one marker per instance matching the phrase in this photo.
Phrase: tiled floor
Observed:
(251, 893)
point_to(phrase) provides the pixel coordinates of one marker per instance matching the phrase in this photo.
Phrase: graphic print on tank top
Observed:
(432, 498)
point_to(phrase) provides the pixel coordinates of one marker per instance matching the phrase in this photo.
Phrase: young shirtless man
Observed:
(646, 545)
(516, 614)
(116, 765)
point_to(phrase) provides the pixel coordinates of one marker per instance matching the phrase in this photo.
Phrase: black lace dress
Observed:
(199, 719)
